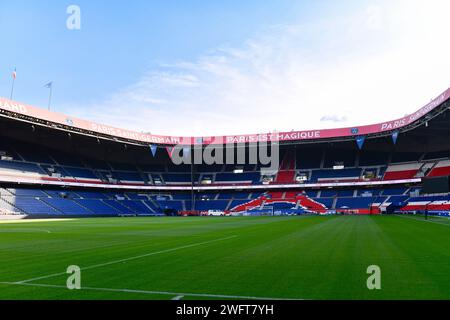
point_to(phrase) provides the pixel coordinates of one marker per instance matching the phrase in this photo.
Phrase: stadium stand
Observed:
(54, 169)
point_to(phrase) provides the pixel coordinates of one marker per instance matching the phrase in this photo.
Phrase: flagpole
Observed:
(50, 97)
(12, 89)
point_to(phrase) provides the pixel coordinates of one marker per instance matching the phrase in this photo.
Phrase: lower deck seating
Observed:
(137, 206)
(119, 207)
(430, 203)
(105, 203)
(33, 206)
(358, 202)
(67, 206)
(98, 206)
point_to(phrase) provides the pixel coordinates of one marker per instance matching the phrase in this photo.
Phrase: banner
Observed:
(395, 137)
(153, 149)
(360, 142)
(170, 151)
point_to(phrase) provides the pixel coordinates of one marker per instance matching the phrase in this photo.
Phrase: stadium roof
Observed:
(23, 112)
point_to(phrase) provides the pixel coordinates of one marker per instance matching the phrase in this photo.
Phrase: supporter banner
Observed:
(360, 142)
(92, 127)
(395, 137)
(170, 151)
(153, 149)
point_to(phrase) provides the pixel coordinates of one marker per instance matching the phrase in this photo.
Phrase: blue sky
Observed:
(213, 67)
(118, 40)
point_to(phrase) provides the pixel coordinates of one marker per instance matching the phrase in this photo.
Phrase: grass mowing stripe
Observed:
(178, 295)
(283, 257)
(129, 259)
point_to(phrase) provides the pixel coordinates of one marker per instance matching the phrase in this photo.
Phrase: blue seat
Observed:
(211, 205)
(34, 206)
(171, 204)
(253, 177)
(394, 191)
(23, 167)
(137, 206)
(98, 206)
(67, 206)
(80, 173)
(330, 174)
(128, 176)
(27, 192)
(176, 178)
(119, 207)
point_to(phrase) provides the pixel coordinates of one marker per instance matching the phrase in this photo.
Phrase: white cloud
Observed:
(378, 63)
(333, 118)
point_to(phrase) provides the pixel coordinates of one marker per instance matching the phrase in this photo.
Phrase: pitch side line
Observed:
(25, 230)
(178, 295)
(437, 222)
(128, 259)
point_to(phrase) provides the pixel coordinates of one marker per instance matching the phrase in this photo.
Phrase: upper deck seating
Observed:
(80, 173)
(442, 168)
(402, 171)
(246, 177)
(335, 175)
(16, 167)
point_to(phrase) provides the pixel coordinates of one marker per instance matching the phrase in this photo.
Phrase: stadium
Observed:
(224, 159)
(113, 202)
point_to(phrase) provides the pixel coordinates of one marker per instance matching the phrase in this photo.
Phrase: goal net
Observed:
(258, 211)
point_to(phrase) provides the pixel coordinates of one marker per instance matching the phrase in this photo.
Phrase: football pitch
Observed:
(307, 257)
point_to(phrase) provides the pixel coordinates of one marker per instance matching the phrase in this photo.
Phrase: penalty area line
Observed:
(128, 259)
(423, 220)
(178, 295)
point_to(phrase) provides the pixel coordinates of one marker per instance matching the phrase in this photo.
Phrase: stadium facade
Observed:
(57, 165)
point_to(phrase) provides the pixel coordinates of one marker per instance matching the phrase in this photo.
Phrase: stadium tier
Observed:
(42, 202)
(55, 165)
(15, 165)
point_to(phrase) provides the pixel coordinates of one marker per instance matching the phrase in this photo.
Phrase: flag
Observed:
(170, 151)
(360, 142)
(49, 85)
(153, 149)
(395, 137)
(14, 74)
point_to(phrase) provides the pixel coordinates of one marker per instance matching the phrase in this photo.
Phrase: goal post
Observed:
(259, 211)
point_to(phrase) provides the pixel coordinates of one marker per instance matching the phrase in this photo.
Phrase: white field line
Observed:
(437, 222)
(32, 220)
(177, 295)
(129, 259)
(27, 230)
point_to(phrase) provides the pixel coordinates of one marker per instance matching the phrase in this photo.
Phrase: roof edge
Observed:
(64, 122)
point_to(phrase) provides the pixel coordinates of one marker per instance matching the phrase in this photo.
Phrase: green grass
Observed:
(273, 257)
